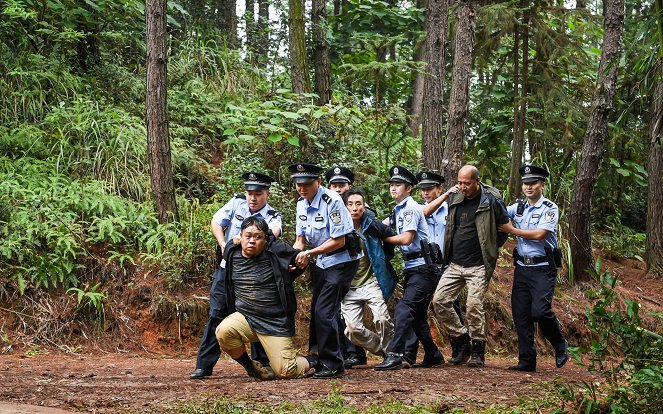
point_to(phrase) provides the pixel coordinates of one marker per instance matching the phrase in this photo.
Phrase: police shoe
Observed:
(523, 366)
(200, 373)
(353, 360)
(391, 362)
(325, 373)
(430, 363)
(561, 356)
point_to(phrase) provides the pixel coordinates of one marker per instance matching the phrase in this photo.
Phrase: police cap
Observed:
(339, 175)
(429, 179)
(400, 174)
(254, 181)
(303, 173)
(532, 173)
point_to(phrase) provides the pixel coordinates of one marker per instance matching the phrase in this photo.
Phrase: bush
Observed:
(629, 355)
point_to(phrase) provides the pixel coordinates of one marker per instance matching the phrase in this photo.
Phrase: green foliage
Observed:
(92, 299)
(619, 241)
(627, 353)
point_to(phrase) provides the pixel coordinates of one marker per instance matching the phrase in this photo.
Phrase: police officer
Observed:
(535, 228)
(411, 312)
(226, 224)
(340, 179)
(325, 223)
(436, 210)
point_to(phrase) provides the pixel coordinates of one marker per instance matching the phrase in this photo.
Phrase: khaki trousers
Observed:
(454, 278)
(352, 309)
(234, 332)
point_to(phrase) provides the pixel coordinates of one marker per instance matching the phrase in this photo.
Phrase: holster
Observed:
(515, 256)
(425, 252)
(436, 253)
(554, 256)
(353, 244)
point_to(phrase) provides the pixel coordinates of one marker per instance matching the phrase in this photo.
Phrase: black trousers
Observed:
(531, 301)
(412, 342)
(329, 288)
(349, 349)
(209, 350)
(411, 311)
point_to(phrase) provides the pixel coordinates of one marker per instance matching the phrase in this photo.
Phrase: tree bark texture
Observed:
(654, 247)
(460, 83)
(158, 142)
(594, 140)
(417, 100)
(301, 82)
(433, 105)
(417, 93)
(262, 31)
(250, 22)
(321, 52)
(519, 107)
(228, 23)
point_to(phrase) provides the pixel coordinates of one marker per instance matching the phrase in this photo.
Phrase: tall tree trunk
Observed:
(519, 108)
(654, 253)
(250, 22)
(158, 142)
(594, 140)
(417, 100)
(321, 52)
(228, 21)
(433, 106)
(301, 82)
(460, 82)
(262, 31)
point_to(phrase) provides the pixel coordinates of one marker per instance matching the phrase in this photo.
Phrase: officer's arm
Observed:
(329, 245)
(276, 230)
(432, 207)
(300, 243)
(219, 235)
(403, 239)
(533, 234)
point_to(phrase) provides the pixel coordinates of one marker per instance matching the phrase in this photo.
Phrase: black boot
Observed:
(478, 354)
(461, 350)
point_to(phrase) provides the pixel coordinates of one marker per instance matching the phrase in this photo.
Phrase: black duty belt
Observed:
(532, 259)
(339, 250)
(412, 256)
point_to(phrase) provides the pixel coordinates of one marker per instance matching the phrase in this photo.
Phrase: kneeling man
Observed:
(261, 302)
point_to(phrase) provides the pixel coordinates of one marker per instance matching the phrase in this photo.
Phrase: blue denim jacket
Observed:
(372, 228)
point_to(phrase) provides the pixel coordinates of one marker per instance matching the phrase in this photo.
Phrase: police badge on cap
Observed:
(429, 179)
(400, 174)
(303, 173)
(532, 173)
(339, 175)
(254, 181)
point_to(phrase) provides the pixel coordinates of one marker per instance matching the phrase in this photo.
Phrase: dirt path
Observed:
(119, 383)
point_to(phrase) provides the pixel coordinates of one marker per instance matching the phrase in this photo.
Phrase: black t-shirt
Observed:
(257, 297)
(465, 246)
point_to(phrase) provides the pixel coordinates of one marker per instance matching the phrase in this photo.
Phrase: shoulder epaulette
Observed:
(242, 196)
(326, 198)
(273, 213)
(548, 203)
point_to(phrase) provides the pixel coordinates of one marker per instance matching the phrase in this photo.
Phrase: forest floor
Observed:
(154, 376)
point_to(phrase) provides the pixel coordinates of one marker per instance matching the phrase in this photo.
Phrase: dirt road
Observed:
(110, 383)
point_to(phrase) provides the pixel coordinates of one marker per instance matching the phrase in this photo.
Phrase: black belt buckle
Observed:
(528, 260)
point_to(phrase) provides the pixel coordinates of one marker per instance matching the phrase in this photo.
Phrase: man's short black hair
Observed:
(353, 191)
(259, 222)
